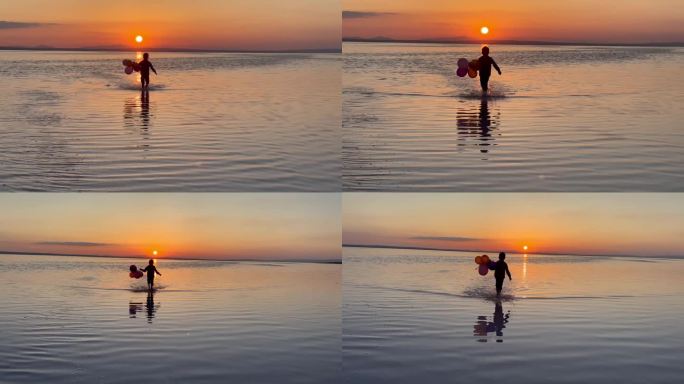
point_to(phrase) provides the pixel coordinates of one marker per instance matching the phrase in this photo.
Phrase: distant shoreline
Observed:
(178, 50)
(389, 246)
(300, 261)
(511, 42)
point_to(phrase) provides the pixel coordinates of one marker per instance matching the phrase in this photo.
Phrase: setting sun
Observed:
(138, 39)
(155, 252)
(484, 30)
(525, 247)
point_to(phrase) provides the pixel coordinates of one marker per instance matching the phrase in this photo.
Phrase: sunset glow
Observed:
(531, 20)
(584, 224)
(207, 226)
(210, 24)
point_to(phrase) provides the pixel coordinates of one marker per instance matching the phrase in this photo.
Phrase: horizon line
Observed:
(410, 247)
(166, 49)
(20, 253)
(506, 42)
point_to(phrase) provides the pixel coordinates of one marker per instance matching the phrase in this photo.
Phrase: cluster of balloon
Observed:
(130, 66)
(135, 272)
(485, 264)
(466, 67)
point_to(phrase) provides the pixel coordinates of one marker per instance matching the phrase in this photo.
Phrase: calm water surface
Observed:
(413, 316)
(559, 119)
(73, 121)
(83, 320)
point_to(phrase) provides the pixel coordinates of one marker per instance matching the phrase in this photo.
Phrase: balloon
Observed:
(463, 63)
(461, 72)
(135, 272)
(474, 64)
(478, 259)
(483, 270)
(136, 67)
(491, 265)
(128, 70)
(472, 73)
(485, 259)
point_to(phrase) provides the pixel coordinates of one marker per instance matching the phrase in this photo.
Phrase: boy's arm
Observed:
(157, 272)
(508, 273)
(495, 66)
(153, 70)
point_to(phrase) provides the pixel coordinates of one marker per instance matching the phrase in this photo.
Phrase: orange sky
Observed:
(219, 226)
(206, 24)
(613, 21)
(618, 224)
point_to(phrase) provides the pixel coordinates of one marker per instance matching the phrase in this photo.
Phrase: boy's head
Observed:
(485, 51)
(146, 55)
(502, 256)
(151, 261)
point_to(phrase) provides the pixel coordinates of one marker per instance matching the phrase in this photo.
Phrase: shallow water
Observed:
(73, 121)
(83, 320)
(428, 316)
(559, 119)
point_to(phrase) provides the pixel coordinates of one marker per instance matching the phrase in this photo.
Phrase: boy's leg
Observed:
(484, 82)
(499, 286)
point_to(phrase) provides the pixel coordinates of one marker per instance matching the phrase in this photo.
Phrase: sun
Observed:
(155, 252)
(524, 247)
(138, 39)
(484, 30)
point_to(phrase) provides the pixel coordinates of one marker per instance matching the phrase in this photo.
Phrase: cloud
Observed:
(19, 24)
(364, 15)
(73, 243)
(446, 238)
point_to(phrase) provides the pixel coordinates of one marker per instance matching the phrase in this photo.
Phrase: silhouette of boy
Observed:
(486, 63)
(151, 270)
(145, 66)
(500, 273)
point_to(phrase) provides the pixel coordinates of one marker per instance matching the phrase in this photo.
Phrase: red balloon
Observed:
(483, 270)
(478, 259)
